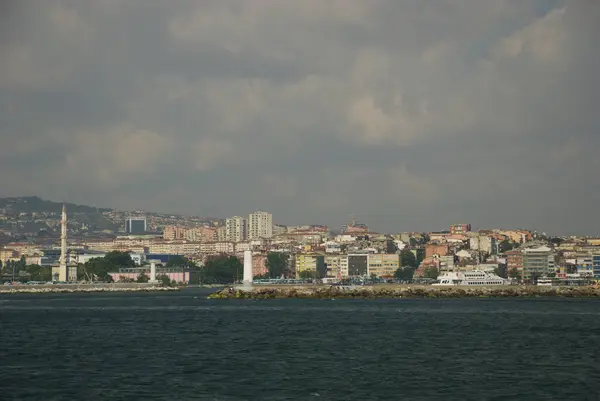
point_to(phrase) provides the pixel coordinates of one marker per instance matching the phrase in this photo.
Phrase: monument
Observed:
(247, 268)
(153, 279)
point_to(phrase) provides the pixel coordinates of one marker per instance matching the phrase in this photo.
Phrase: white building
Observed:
(538, 261)
(260, 225)
(235, 229)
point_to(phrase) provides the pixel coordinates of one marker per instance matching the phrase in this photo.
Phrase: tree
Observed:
(407, 258)
(404, 273)
(514, 273)
(39, 273)
(501, 271)
(142, 278)
(431, 272)
(506, 245)
(180, 261)
(125, 279)
(98, 268)
(222, 269)
(277, 263)
(307, 274)
(119, 259)
(164, 280)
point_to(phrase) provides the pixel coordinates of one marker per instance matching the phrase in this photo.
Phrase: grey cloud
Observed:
(413, 115)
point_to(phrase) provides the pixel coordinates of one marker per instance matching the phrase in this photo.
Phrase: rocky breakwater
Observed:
(365, 292)
(54, 290)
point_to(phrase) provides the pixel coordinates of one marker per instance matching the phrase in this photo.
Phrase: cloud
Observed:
(413, 114)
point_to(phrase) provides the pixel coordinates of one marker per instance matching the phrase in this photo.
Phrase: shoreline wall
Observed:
(71, 288)
(406, 292)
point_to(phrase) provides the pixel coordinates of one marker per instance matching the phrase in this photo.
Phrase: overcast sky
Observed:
(411, 114)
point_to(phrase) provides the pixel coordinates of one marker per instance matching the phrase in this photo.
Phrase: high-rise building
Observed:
(235, 229)
(135, 225)
(260, 225)
(538, 262)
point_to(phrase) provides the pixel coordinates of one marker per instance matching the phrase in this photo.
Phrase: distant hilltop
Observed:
(32, 216)
(34, 204)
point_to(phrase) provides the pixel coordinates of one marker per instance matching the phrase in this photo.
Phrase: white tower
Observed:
(248, 267)
(63, 271)
(153, 272)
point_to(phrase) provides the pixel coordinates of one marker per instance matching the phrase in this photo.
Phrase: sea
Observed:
(181, 346)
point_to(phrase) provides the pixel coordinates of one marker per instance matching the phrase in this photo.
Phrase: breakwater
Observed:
(72, 288)
(367, 292)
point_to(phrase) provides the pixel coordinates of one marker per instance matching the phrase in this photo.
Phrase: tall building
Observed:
(135, 225)
(514, 260)
(235, 229)
(538, 262)
(260, 225)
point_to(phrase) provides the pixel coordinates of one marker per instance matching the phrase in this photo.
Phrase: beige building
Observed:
(201, 234)
(333, 262)
(173, 233)
(222, 233)
(235, 229)
(383, 264)
(175, 247)
(313, 263)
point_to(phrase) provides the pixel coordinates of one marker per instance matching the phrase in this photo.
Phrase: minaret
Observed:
(63, 274)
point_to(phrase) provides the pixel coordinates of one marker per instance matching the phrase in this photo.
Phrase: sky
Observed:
(412, 115)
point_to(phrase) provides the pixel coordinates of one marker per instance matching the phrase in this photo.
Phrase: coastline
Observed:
(85, 288)
(406, 291)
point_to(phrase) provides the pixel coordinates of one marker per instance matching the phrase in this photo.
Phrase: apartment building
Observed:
(235, 229)
(201, 234)
(171, 233)
(514, 260)
(383, 264)
(260, 225)
(538, 262)
(333, 264)
(311, 262)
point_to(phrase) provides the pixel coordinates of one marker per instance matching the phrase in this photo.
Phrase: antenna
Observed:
(353, 219)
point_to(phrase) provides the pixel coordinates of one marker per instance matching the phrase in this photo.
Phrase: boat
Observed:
(471, 278)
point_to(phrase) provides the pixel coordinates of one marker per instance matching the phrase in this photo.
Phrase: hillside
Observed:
(88, 215)
(34, 204)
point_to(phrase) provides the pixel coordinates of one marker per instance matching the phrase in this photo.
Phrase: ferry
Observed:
(471, 278)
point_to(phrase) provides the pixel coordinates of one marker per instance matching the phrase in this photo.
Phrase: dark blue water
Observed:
(180, 346)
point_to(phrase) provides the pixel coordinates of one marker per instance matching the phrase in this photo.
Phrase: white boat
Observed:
(471, 278)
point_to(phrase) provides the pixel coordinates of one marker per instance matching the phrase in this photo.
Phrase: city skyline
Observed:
(412, 115)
